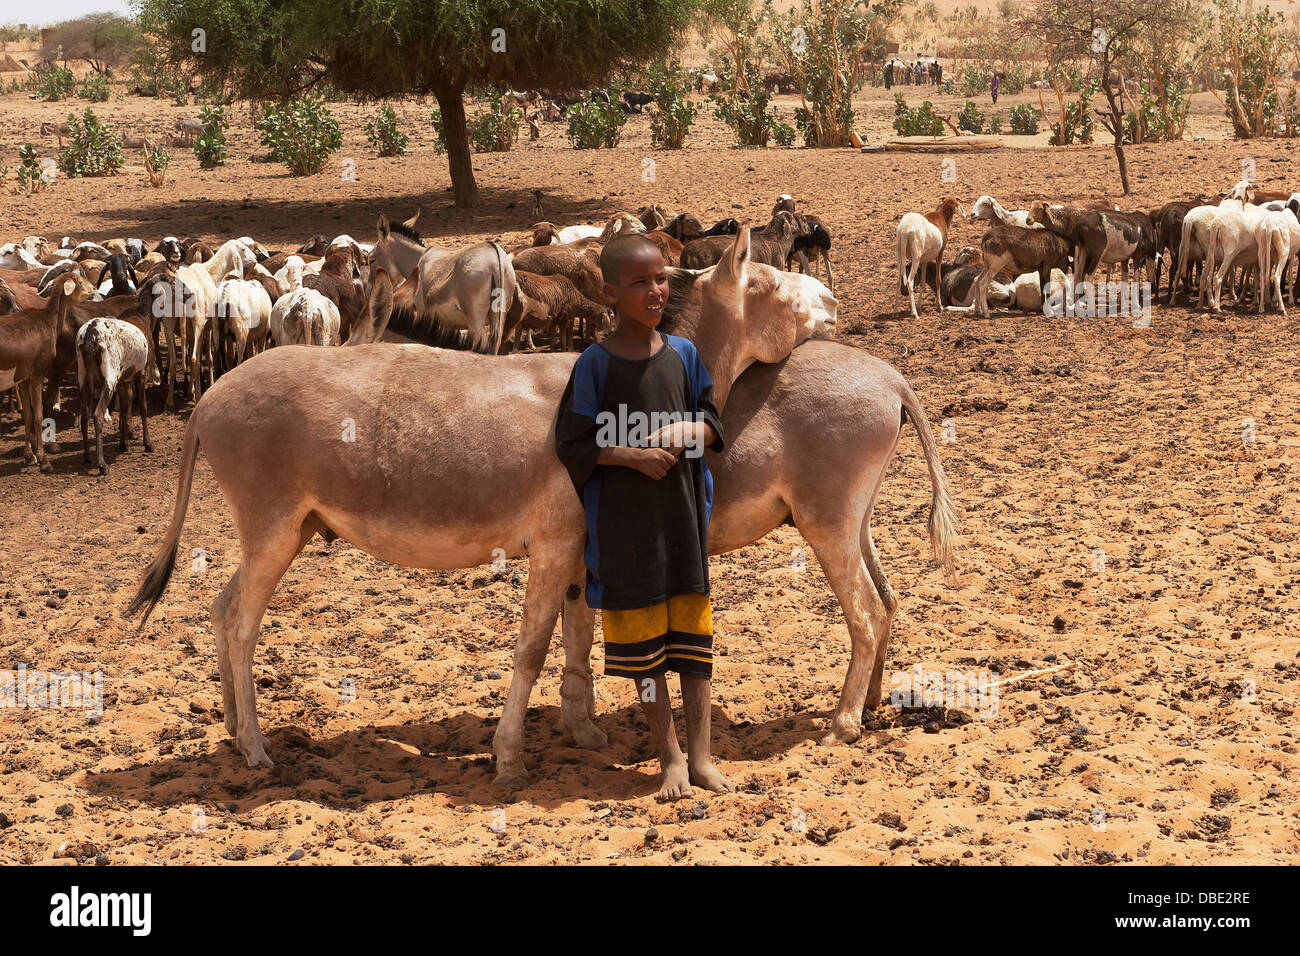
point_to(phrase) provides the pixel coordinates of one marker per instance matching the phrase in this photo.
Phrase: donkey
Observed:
(481, 429)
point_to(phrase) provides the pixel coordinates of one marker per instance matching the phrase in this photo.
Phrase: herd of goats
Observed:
(102, 308)
(106, 309)
(1023, 258)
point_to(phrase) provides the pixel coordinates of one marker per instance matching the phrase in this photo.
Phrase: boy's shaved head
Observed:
(621, 249)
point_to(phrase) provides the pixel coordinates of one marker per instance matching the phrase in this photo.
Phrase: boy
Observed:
(647, 494)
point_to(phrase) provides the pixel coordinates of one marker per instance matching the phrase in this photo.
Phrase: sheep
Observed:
(1232, 240)
(1192, 247)
(112, 356)
(670, 247)
(684, 227)
(616, 225)
(170, 249)
(920, 239)
(1100, 237)
(338, 282)
(1277, 237)
(1168, 220)
(1016, 250)
(654, 216)
(121, 280)
(770, 246)
(188, 129)
(17, 259)
(813, 246)
(305, 317)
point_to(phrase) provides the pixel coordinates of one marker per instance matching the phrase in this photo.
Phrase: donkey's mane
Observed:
(431, 332)
(681, 283)
(402, 229)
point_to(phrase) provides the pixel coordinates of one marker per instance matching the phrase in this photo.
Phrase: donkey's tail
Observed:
(943, 513)
(160, 568)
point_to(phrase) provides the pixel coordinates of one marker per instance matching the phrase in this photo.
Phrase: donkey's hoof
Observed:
(844, 730)
(511, 779)
(588, 736)
(255, 753)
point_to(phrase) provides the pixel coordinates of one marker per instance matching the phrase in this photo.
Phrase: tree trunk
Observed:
(451, 101)
(1117, 119)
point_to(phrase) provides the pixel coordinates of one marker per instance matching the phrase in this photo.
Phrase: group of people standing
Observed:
(918, 73)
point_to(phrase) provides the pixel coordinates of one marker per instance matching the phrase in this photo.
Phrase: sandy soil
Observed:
(1113, 518)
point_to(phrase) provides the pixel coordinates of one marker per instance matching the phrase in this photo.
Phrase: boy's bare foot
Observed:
(677, 782)
(706, 775)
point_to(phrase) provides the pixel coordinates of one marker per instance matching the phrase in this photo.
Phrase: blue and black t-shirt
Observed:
(647, 539)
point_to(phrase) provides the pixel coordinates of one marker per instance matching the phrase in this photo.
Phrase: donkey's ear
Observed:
(410, 223)
(736, 257)
(383, 226)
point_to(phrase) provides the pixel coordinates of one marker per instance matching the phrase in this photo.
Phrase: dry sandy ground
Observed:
(1170, 739)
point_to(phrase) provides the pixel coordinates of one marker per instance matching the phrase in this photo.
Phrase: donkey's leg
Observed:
(838, 549)
(882, 612)
(550, 571)
(240, 609)
(578, 688)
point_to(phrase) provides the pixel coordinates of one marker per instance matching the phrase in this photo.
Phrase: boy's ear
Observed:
(608, 291)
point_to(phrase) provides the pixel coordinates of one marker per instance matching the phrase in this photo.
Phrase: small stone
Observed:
(406, 858)
(51, 602)
(932, 727)
(679, 855)
(651, 835)
(1034, 815)
(64, 810)
(5, 821)
(297, 855)
(494, 675)
(1058, 624)
(60, 592)
(139, 529)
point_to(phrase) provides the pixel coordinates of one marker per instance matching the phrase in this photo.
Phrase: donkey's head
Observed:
(750, 312)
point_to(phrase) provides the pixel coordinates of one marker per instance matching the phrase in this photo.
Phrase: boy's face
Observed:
(642, 288)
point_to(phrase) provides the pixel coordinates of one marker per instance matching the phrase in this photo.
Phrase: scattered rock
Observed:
(1058, 624)
(651, 835)
(297, 855)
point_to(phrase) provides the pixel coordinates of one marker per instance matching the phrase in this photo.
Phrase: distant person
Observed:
(993, 87)
(889, 74)
(938, 73)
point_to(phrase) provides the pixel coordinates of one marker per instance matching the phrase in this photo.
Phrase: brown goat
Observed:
(771, 246)
(554, 303)
(28, 346)
(579, 266)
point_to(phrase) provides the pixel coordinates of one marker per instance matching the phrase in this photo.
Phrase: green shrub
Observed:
(673, 112)
(156, 161)
(29, 169)
(752, 120)
(497, 130)
(301, 133)
(995, 125)
(783, 133)
(970, 118)
(92, 148)
(55, 84)
(947, 87)
(974, 81)
(439, 139)
(383, 132)
(210, 146)
(1013, 81)
(1023, 119)
(596, 124)
(94, 89)
(1078, 122)
(920, 121)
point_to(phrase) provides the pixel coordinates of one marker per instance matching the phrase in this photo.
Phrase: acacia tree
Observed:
(1248, 47)
(736, 26)
(102, 40)
(822, 44)
(1106, 31)
(377, 49)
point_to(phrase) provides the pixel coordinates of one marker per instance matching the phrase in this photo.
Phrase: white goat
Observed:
(986, 207)
(112, 356)
(921, 240)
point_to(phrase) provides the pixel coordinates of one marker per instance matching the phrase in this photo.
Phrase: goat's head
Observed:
(983, 208)
(948, 206)
(35, 246)
(1243, 192)
(170, 248)
(783, 202)
(544, 234)
(8, 302)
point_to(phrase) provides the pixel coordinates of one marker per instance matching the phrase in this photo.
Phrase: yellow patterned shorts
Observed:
(676, 635)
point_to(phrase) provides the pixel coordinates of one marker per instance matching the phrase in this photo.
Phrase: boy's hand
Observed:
(652, 462)
(680, 436)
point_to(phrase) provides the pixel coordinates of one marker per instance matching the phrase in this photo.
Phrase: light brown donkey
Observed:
(432, 459)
